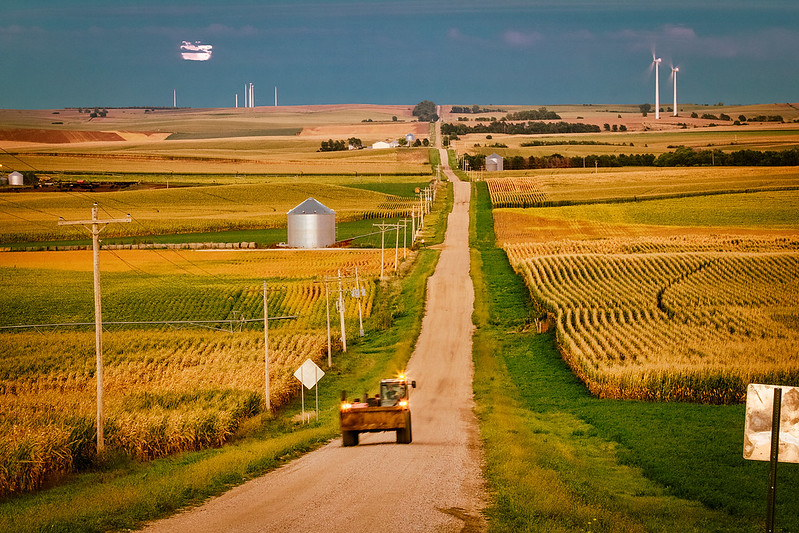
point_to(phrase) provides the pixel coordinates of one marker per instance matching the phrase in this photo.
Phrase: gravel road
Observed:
(433, 484)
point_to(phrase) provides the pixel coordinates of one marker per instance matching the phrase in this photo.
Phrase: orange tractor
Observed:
(387, 411)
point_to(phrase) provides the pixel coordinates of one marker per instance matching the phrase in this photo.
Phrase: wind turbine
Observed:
(656, 63)
(674, 71)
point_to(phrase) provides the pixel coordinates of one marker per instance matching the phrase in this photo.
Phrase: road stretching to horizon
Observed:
(433, 484)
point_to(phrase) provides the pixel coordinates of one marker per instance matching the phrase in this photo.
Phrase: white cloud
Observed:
(521, 39)
(676, 40)
(196, 51)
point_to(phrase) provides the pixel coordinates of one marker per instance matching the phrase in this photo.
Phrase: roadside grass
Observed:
(558, 459)
(123, 494)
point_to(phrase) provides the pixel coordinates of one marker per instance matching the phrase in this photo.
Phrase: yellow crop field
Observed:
(34, 216)
(690, 319)
(168, 387)
(687, 298)
(534, 188)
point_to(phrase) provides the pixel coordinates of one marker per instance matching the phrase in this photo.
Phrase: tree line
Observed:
(681, 157)
(519, 128)
(353, 143)
(465, 110)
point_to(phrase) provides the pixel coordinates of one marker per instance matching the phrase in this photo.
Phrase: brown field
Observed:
(262, 140)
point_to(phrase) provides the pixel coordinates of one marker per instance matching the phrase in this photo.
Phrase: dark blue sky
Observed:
(540, 52)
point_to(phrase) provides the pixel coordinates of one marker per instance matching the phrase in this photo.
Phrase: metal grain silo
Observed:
(16, 179)
(494, 162)
(311, 225)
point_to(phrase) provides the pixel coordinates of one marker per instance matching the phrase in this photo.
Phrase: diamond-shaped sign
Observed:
(309, 374)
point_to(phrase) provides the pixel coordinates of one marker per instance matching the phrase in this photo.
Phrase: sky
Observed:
(113, 53)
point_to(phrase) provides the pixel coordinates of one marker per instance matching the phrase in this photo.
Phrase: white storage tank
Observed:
(311, 225)
(16, 179)
(494, 162)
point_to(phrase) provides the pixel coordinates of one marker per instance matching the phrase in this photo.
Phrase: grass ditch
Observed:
(123, 494)
(558, 459)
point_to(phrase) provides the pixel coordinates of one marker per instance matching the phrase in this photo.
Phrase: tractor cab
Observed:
(394, 392)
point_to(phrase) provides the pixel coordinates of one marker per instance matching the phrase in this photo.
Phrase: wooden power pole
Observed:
(96, 226)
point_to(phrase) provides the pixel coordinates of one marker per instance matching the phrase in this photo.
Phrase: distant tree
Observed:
(606, 126)
(724, 116)
(694, 115)
(394, 118)
(426, 111)
(402, 141)
(426, 141)
(622, 128)
(615, 127)
(645, 109)
(354, 143)
(742, 118)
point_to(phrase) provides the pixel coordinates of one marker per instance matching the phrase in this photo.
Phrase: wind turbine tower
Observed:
(657, 61)
(674, 71)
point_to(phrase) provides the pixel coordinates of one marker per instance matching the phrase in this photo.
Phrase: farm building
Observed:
(385, 144)
(311, 225)
(494, 162)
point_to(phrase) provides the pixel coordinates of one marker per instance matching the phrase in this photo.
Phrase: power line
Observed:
(151, 322)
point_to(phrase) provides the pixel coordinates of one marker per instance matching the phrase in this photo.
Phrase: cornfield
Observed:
(517, 192)
(168, 387)
(692, 319)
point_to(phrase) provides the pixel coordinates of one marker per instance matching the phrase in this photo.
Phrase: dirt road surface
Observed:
(433, 484)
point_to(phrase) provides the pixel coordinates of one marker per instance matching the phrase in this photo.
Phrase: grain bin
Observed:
(15, 179)
(494, 162)
(311, 225)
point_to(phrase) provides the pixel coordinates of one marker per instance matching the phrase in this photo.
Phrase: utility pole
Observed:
(383, 227)
(327, 314)
(413, 224)
(341, 313)
(396, 248)
(405, 237)
(359, 294)
(266, 346)
(266, 352)
(96, 226)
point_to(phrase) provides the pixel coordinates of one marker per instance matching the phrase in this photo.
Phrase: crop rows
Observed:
(517, 192)
(168, 387)
(165, 392)
(670, 325)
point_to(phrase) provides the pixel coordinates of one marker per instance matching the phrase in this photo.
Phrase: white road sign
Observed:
(309, 374)
(757, 433)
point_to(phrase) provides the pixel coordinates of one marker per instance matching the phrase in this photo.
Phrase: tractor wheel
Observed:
(349, 438)
(404, 435)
